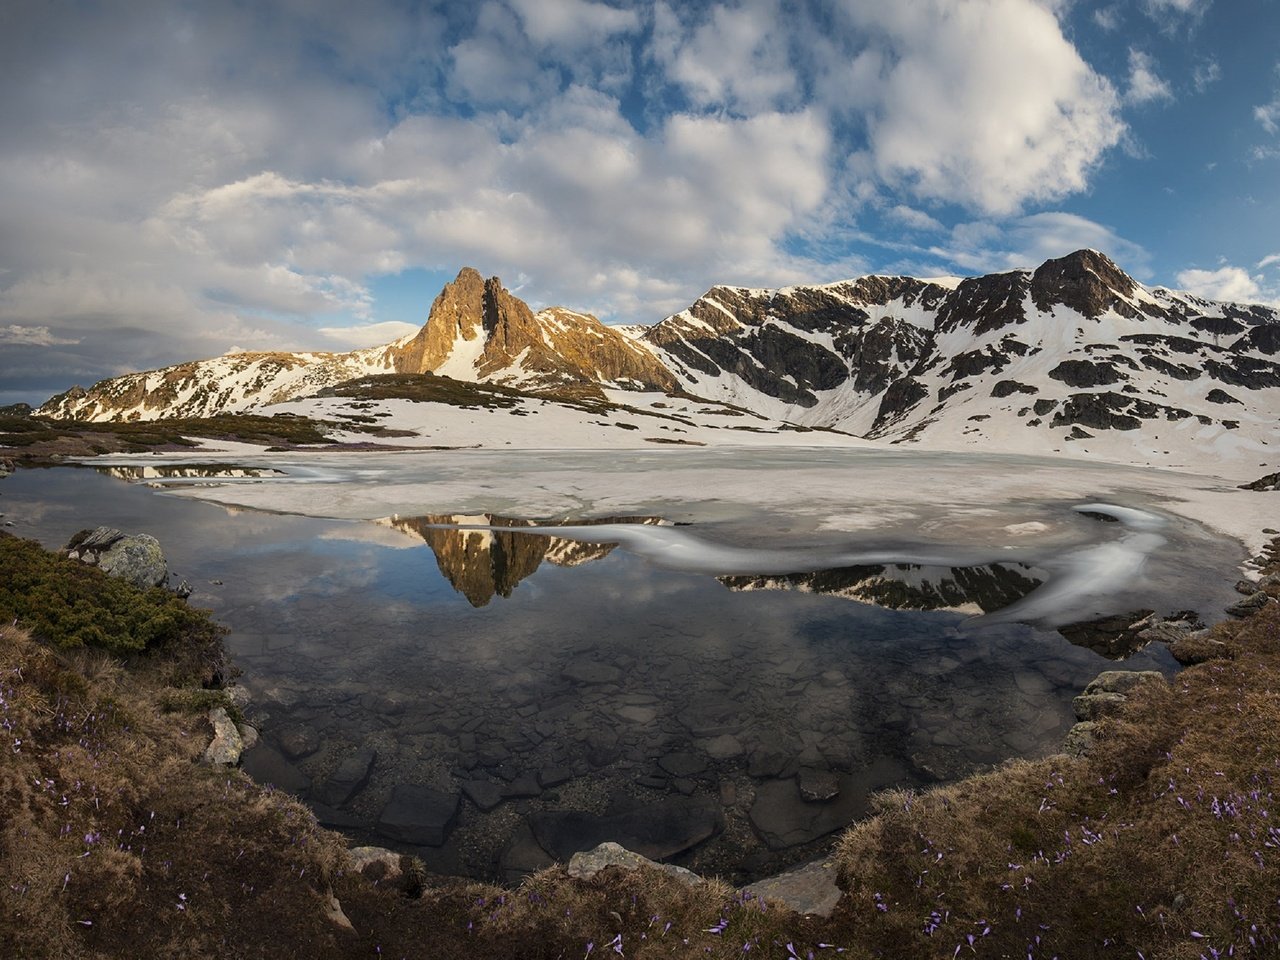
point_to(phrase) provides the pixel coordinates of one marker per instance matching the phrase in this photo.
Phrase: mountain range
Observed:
(1074, 355)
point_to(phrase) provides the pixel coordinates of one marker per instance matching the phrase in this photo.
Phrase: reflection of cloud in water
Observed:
(1077, 575)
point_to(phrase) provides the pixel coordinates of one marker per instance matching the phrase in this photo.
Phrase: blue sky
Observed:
(181, 179)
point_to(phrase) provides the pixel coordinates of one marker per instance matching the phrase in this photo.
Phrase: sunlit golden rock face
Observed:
(478, 330)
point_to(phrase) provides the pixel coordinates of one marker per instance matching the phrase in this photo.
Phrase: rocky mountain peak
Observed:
(1086, 281)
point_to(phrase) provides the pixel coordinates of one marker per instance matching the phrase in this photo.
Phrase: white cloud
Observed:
(368, 334)
(1205, 74)
(1108, 18)
(270, 159)
(1145, 85)
(912, 219)
(1269, 261)
(952, 117)
(1225, 283)
(573, 23)
(1164, 9)
(16, 333)
(737, 57)
(1268, 114)
(983, 246)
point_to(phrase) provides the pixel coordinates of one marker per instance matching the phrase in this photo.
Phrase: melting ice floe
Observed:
(1079, 577)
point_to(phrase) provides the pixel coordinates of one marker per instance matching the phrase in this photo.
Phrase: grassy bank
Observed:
(116, 842)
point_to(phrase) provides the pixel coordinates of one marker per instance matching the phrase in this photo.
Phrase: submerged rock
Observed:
(267, 765)
(350, 777)
(419, 815)
(658, 830)
(784, 818)
(135, 558)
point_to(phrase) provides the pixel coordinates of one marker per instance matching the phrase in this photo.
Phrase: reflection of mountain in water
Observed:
(906, 586)
(188, 471)
(482, 564)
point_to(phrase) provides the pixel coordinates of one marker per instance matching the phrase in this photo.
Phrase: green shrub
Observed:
(73, 605)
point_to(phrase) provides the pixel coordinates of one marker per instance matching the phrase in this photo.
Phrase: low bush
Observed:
(70, 604)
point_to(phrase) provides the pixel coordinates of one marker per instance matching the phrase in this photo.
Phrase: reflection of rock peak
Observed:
(484, 563)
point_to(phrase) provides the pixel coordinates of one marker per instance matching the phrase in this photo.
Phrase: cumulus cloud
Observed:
(952, 117)
(736, 57)
(248, 180)
(1145, 84)
(573, 23)
(1225, 283)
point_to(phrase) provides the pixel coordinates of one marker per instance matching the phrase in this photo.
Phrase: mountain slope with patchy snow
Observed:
(1073, 357)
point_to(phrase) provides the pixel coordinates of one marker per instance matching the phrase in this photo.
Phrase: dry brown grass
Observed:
(1161, 844)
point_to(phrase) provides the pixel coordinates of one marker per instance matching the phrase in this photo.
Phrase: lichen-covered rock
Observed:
(587, 864)
(227, 744)
(1080, 738)
(376, 863)
(1092, 706)
(1121, 681)
(1249, 605)
(135, 558)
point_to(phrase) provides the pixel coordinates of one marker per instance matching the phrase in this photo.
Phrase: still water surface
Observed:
(540, 693)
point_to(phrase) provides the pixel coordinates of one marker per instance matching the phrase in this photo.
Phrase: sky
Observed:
(178, 180)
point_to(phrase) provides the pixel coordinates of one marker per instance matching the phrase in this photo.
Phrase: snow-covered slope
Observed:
(1074, 356)
(232, 383)
(476, 331)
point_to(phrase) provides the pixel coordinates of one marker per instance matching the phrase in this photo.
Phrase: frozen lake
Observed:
(722, 663)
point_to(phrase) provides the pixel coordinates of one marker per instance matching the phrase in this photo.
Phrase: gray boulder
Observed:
(1122, 681)
(1080, 738)
(227, 744)
(136, 558)
(1249, 605)
(586, 864)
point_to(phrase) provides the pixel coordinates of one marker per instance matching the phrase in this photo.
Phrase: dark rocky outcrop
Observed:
(1086, 373)
(1086, 281)
(1264, 338)
(1112, 411)
(1270, 482)
(1006, 388)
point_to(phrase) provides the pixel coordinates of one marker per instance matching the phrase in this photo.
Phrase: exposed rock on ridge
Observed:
(478, 331)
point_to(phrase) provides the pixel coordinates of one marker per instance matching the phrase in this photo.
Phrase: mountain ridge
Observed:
(1033, 358)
